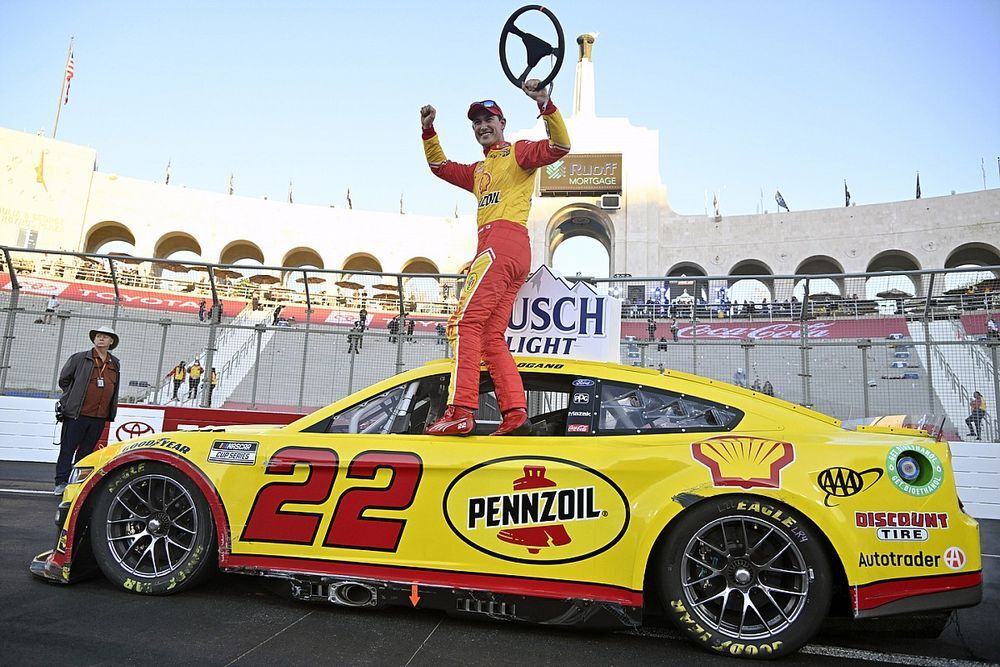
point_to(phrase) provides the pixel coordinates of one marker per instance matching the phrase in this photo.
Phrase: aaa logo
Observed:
(843, 482)
(744, 461)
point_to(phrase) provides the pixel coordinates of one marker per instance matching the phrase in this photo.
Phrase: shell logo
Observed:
(744, 461)
(539, 510)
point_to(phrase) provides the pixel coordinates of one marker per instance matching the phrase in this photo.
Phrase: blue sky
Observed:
(746, 95)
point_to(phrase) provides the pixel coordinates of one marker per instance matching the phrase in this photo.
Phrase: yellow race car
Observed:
(744, 518)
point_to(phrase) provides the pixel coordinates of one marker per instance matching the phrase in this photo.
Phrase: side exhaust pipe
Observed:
(353, 594)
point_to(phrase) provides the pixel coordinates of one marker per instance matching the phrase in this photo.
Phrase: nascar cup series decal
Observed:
(744, 461)
(536, 510)
(914, 470)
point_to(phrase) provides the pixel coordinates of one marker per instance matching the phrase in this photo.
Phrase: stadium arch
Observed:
(421, 288)
(235, 251)
(302, 256)
(107, 232)
(751, 289)
(973, 254)
(362, 261)
(689, 271)
(172, 243)
(893, 260)
(817, 265)
(577, 220)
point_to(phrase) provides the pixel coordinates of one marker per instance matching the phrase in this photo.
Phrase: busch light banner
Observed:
(552, 319)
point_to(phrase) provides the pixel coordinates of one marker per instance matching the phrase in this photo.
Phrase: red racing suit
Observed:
(503, 183)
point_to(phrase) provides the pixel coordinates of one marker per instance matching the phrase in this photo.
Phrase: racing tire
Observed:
(152, 530)
(744, 576)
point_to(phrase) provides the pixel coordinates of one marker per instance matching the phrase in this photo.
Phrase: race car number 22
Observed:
(349, 528)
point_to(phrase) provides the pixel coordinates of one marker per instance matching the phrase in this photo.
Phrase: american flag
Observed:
(69, 75)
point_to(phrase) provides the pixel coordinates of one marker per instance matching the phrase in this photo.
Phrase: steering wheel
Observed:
(536, 47)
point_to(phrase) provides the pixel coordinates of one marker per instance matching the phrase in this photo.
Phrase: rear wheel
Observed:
(152, 530)
(744, 576)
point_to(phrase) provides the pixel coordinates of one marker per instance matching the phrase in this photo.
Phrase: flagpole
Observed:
(69, 51)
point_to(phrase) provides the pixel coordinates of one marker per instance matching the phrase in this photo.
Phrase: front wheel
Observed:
(744, 576)
(152, 530)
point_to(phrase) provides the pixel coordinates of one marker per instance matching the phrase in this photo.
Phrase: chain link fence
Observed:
(297, 338)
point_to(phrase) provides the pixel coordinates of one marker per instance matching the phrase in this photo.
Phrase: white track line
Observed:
(30, 492)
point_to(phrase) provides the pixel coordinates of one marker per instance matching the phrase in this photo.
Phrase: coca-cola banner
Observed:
(102, 293)
(741, 330)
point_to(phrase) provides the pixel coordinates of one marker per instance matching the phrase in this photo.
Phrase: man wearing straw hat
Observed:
(89, 381)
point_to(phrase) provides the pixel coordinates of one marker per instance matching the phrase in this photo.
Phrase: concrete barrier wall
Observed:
(28, 426)
(977, 474)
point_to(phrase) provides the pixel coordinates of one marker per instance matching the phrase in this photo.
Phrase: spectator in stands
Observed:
(977, 412)
(254, 303)
(212, 381)
(992, 329)
(354, 339)
(410, 326)
(439, 328)
(661, 346)
(651, 327)
(674, 330)
(194, 378)
(50, 310)
(740, 378)
(217, 311)
(202, 310)
(275, 315)
(768, 388)
(756, 385)
(179, 373)
(89, 381)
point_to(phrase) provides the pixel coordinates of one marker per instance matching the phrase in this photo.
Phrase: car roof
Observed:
(671, 380)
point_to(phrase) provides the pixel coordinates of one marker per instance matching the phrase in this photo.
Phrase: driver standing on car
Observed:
(502, 183)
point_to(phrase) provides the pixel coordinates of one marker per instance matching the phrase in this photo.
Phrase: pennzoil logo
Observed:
(537, 510)
(744, 461)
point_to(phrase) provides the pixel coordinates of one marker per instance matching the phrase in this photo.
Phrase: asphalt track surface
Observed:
(243, 620)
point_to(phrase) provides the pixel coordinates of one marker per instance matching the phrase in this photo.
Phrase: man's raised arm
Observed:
(453, 172)
(534, 154)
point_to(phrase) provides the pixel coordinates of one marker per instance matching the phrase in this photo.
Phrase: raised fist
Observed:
(531, 89)
(427, 116)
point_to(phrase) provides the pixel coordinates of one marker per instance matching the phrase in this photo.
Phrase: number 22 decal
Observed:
(349, 528)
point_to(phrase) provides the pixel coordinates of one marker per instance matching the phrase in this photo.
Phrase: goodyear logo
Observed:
(537, 510)
(744, 461)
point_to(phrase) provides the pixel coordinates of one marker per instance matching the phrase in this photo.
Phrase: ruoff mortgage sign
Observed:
(586, 173)
(551, 319)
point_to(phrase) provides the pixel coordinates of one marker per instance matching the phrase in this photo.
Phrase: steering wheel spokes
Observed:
(536, 48)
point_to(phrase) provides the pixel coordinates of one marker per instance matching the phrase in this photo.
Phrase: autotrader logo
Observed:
(954, 558)
(133, 429)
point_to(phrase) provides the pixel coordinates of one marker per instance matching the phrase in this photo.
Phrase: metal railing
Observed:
(842, 356)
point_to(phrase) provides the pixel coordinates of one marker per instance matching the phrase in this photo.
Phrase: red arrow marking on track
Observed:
(414, 596)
